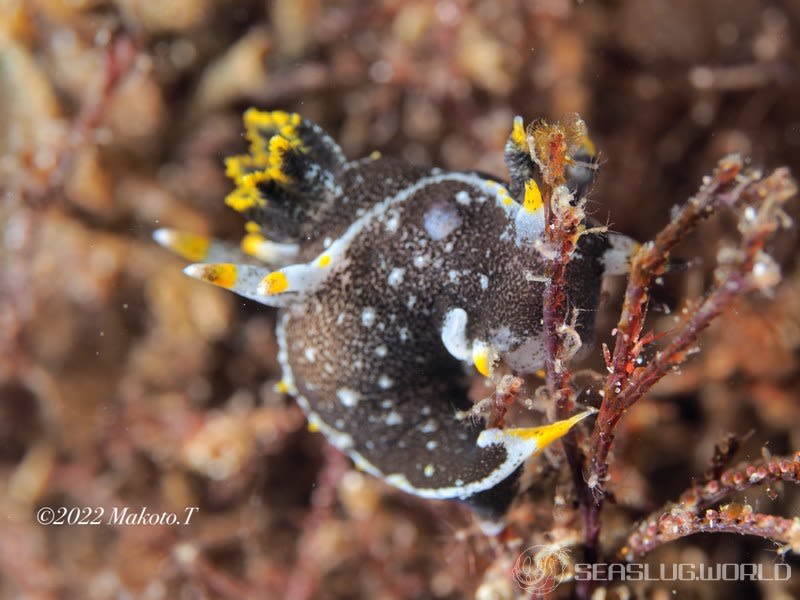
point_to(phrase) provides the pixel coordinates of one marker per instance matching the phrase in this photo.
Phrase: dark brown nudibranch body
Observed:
(390, 279)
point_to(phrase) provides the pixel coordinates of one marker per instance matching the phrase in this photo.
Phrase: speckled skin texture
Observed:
(400, 277)
(409, 387)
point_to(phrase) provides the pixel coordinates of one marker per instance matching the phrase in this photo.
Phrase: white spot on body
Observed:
(441, 220)
(385, 382)
(368, 316)
(412, 300)
(463, 197)
(348, 397)
(420, 260)
(429, 426)
(393, 418)
(431, 444)
(310, 354)
(392, 223)
(396, 277)
(484, 282)
(429, 470)
(381, 351)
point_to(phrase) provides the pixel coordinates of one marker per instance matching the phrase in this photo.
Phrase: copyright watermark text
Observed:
(98, 515)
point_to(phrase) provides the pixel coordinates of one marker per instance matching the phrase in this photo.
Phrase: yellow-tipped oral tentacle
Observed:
(274, 283)
(256, 245)
(221, 274)
(251, 243)
(294, 282)
(251, 281)
(191, 246)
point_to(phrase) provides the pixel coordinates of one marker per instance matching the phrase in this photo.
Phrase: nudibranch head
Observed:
(395, 282)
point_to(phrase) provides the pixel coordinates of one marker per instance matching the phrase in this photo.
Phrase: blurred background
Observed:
(125, 383)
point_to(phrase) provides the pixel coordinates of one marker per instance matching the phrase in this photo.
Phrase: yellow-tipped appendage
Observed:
(221, 274)
(274, 283)
(256, 245)
(523, 442)
(483, 357)
(518, 135)
(533, 196)
(547, 434)
(191, 246)
(251, 243)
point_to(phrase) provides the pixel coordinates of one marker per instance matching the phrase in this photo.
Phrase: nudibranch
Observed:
(392, 280)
